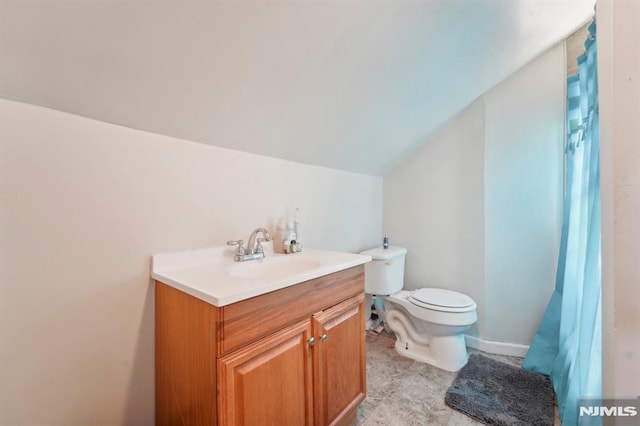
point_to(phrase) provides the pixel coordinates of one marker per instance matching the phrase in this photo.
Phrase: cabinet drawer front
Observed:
(248, 320)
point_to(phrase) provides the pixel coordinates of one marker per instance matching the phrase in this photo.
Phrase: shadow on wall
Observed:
(141, 393)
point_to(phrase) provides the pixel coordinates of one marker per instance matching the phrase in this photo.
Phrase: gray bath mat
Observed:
(496, 393)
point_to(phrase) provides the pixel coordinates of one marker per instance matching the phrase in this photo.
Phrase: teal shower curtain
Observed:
(568, 344)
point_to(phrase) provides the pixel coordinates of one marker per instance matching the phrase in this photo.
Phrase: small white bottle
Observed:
(291, 235)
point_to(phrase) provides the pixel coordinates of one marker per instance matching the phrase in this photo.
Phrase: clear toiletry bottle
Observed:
(385, 241)
(284, 236)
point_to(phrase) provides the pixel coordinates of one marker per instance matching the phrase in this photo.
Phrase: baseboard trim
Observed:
(499, 348)
(489, 346)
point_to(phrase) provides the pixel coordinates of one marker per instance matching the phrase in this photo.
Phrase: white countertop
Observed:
(211, 274)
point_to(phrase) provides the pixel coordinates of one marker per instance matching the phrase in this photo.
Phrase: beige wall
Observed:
(84, 206)
(619, 86)
(524, 143)
(479, 204)
(433, 206)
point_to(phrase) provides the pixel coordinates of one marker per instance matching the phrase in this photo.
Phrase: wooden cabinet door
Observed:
(270, 381)
(339, 352)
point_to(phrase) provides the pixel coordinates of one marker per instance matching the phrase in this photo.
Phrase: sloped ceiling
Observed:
(347, 84)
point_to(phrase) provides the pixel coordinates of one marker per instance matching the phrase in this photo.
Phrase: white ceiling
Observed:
(347, 84)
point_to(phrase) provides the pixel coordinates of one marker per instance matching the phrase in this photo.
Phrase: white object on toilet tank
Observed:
(384, 275)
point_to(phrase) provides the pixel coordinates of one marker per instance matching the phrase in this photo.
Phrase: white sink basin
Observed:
(273, 268)
(212, 275)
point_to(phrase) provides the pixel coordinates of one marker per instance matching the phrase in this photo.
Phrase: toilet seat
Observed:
(439, 299)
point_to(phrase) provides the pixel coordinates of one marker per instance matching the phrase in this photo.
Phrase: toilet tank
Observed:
(385, 273)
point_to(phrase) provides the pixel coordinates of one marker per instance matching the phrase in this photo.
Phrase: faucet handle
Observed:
(239, 243)
(259, 247)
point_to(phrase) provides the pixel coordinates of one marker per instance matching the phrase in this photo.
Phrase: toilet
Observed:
(429, 322)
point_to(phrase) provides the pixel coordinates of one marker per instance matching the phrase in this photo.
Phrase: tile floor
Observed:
(401, 391)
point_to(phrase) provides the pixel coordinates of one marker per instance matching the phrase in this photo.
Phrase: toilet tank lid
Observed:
(380, 253)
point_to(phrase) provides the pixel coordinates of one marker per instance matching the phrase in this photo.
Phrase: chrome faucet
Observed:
(254, 250)
(255, 244)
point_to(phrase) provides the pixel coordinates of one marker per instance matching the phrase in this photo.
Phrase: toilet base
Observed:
(446, 352)
(455, 357)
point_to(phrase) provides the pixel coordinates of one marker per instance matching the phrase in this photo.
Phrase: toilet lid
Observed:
(442, 300)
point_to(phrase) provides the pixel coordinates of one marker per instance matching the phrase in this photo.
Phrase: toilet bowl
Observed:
(429, 323)
(430, 334)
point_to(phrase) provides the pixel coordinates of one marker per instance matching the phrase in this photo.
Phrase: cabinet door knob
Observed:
(324, 337)
(312, 341)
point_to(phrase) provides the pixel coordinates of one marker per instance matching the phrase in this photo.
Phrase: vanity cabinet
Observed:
(294, 356)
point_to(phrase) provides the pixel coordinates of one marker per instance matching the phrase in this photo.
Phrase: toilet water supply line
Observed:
(380, 309)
